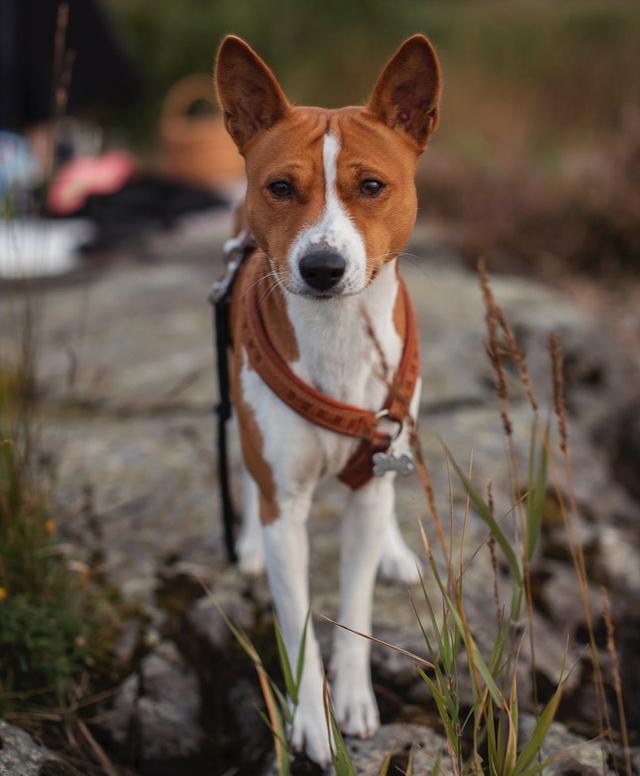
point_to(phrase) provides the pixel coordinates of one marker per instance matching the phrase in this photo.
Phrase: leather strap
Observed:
(321, 409)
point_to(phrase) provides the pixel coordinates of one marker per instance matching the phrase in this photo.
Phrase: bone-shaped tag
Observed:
(388, 462)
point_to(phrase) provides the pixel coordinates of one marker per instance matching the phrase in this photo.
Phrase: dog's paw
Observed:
(355, 706)
(251, 555)
(309, 732)
(400, 564)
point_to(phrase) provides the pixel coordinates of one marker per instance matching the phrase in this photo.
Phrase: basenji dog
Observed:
(331, 203)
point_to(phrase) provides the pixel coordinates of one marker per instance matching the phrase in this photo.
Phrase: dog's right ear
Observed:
(249, 94)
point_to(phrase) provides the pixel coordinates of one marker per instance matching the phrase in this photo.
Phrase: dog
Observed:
(320, 320)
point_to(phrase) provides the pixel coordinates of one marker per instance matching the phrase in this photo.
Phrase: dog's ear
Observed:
(249, 95)
(407, 94)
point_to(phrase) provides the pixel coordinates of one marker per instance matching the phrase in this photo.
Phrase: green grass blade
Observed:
(472, 647)
(239, 635)
(285, 665)
(452, 736)
(342, 761)
(444, 652)
(274, 731)
(485, 513)
(532, 747)
(301, 652)
(492, 745)
(498, 649)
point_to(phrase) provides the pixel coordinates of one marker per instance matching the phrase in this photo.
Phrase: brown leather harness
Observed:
(313, 405)
(319, 408)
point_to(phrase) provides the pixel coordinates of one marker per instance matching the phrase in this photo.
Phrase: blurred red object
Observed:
(87, 175)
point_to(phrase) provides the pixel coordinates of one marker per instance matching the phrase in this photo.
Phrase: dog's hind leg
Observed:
(287, 558)
(363, 534)
(250, 546)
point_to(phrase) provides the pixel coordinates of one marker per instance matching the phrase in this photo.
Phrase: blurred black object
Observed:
(144, 205)
(102, 74)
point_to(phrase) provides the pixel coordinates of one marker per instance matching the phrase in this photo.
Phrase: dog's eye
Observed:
(371, 187)
(280, 189)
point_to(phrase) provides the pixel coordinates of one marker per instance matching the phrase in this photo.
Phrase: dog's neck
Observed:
(334, 344)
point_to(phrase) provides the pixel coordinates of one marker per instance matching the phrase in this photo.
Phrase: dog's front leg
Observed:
(286, 554)
(364, 527)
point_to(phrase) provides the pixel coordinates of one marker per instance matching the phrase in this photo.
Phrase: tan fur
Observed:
(251, 440)
(400, 314)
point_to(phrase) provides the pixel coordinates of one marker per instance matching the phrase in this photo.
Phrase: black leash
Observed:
(236, 251)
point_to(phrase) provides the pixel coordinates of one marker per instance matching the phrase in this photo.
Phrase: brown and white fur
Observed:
(326, 160)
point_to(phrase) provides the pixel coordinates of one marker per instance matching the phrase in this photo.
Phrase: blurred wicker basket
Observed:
(196, 148)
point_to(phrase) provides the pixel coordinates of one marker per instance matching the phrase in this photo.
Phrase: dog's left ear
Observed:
(406, 96)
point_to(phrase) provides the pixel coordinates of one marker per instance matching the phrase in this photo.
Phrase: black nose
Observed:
(322, 269)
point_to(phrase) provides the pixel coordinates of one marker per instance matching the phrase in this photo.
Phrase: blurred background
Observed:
(116, 178)
(536, 161)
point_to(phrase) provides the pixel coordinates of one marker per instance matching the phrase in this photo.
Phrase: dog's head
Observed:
(330, 193)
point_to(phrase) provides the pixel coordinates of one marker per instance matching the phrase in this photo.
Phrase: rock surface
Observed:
(570, 753)
(20, 755)
(126, 379)
(157, 711)
(425, 747)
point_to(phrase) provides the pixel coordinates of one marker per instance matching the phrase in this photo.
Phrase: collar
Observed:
(322, 410)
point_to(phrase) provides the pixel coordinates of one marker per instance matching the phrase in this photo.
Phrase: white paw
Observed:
(355, 706)
(250, 554)
(400, 564)
(309, 731)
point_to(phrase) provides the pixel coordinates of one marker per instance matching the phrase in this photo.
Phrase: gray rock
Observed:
(159, 708)
(127, 384)
(119, 720)
(573, 753)
(208, 623)
(428, 748)
(20, 755)
(368, 755)
(169, 707)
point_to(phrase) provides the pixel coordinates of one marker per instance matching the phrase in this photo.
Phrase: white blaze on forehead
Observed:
(334, 229)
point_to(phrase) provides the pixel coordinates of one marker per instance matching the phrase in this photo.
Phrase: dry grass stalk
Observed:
(427, 486)
(617, 682)
(516, 354)
(512, 348)
(559, 400)
(101, 756)
(59, 42)
(494, 351)
(411, 655)
(62, 67)
(576, 552)
(494, 317)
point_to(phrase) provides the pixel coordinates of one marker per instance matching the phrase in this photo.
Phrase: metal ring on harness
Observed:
(385, 414)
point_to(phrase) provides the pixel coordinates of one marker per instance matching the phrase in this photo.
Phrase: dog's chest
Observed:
(343, 348)
(349, 349)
